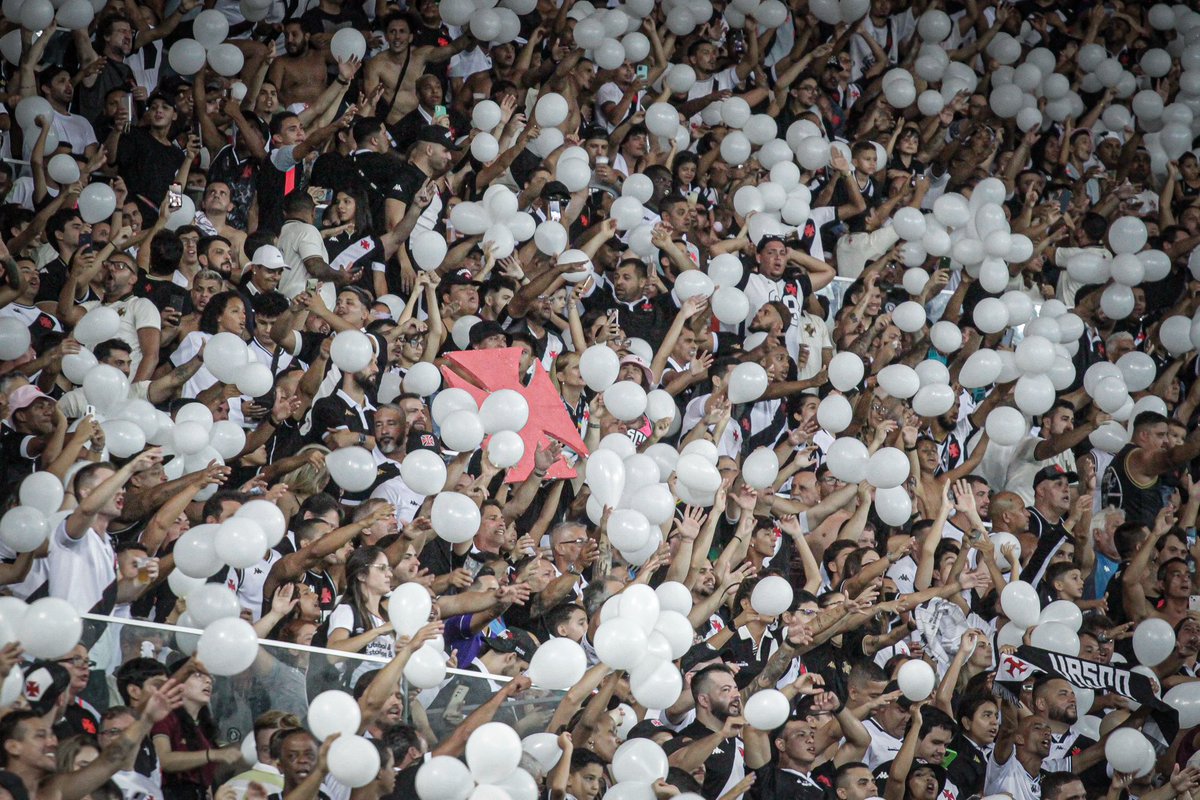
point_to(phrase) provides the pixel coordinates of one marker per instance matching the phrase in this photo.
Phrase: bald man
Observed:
(1015, 765)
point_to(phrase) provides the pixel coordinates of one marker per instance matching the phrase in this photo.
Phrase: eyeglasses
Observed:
(110, 731)
(384, 567)
(413, 341)
(78, 661)
(830, 480)
(573, 541)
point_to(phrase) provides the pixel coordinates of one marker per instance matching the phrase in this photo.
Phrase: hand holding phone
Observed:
(175, 197)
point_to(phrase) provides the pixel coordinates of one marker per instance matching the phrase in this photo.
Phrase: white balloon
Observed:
(767, 709)
(916, 680)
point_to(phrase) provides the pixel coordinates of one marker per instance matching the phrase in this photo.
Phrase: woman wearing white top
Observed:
(356, 624)
(225, 313)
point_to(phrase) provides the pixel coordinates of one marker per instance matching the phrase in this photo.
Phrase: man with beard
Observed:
(391, 434)
(216, 253)
(1015, 765)
(930, 731)
(1053, 445)
(1051, 502)
(141, 325)
(776, 279)
(800, 771)
(1054, 699)
(216, 206)
(431, 156)
(114, 35)
(55, 84)
(965, 524)
(347, 417)
(400, 67)
(624, 294)
(714, 740)
(533, 316)
(979, 722)
(299, 74)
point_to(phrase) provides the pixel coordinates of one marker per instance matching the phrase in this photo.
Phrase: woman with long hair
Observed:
(186, 743)
(350, 242)
(357, 624)
(224, 313)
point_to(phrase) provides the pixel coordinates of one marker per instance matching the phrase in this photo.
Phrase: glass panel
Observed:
(286, 677)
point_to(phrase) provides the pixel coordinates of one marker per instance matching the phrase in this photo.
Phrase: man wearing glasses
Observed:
(80, 716)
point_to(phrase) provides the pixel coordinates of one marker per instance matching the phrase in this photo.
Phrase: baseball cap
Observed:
(1054, 472)
(513, 640)
(698, 654)
(45, 681)
(268, 256)
(646, 729)
(485, 328)
(24, 397)
(638, 362)
(554, 189)
(437, 135)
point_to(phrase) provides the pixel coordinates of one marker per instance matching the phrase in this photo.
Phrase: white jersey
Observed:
(1011, 778)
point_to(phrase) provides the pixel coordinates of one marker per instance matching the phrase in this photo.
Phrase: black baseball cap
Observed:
(1052, 473)
(460, 277)
(513, 640)
(554, 189)
(485, 328)
(437, 135)
(45, 682)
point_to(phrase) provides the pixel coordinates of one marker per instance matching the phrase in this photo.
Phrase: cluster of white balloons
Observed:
(488, 22)
(491, 771)
(495, 216)
(409, 606)
(36, 15)
(353, 760)
(210, 29)
(643, 631)
(1017, 91)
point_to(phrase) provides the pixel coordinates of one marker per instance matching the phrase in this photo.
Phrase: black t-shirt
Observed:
(772, 782)
(350, 16)
(720, 765)
(148, 167)
(16, 465)
(333, 412)
(968, 766)
(647, 319)
(53, 275)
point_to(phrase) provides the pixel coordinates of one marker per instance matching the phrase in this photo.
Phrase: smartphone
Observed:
(325, 198)
(90, 411)
(176, 299)
(555, 210)
(175, 197)
(311, 285)
(643, 72)
(128, 110)
(439, 111)
(1064, 200)
(1194, 602)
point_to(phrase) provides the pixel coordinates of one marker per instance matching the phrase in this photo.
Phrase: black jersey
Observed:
(1141, 502)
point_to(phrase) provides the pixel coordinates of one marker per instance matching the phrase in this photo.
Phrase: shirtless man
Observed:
(216, 205)
(504, 68)
(399, 66)
(300, 75)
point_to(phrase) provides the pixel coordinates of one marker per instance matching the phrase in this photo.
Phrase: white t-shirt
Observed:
(1012, 779)
(186, 351)
(724, 81)
(250, 589)
(1024, 465)
(384, 646)
(75, 130)
(136, 313)
(731, 440)
(396, 492)
(298, 241)
(883, 747)
(80, 569)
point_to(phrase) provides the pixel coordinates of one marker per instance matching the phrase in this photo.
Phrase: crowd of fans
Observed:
(768, 313)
